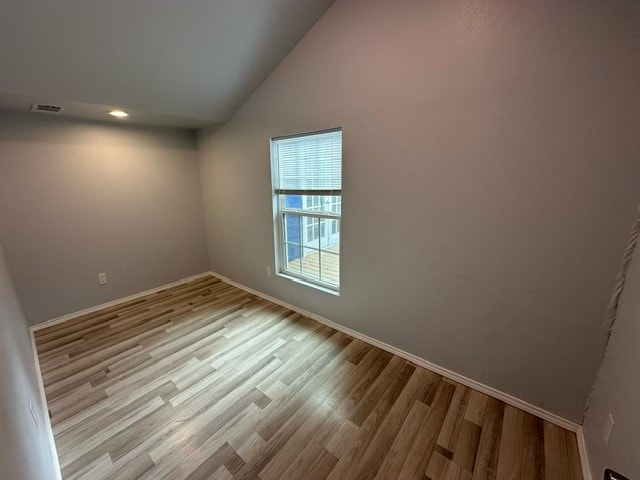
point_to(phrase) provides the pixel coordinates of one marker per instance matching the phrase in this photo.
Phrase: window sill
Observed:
(309, 284)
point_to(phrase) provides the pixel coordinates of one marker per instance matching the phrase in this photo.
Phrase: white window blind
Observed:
(309, 162)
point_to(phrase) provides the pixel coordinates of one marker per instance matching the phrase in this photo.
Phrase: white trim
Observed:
(55, 321)
(492, 392)
(64, 318)
(584, 455)
(57, 473)
(309, 282)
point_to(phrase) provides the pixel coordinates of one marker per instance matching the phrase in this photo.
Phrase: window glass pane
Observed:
(335, 204)
(311, 232)
(329, 203)
(311, 263)
(291, 201)
(292, 228)
(330, 239)
(312, 203)
(293, 254)
(329, 267)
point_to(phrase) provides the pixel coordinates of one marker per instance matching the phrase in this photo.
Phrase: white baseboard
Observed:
(492, 392)
(64, 318)
(584, 457)
(57, 473)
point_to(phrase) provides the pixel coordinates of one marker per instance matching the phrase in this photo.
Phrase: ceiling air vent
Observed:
(45, 108)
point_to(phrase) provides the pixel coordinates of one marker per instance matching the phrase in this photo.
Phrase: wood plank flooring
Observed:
(205, 381)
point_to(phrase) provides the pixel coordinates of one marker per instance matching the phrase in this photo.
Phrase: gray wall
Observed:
(490, 178)
(77, 199)
(25, 451)
(617, 390)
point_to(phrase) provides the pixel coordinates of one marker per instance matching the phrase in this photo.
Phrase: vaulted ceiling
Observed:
(186, 63)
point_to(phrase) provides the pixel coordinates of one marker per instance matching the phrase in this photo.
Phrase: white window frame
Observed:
(314, 211)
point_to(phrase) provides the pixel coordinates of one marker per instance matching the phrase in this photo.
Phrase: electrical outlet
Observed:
(608, 428)
(268, 271)
(102, 278)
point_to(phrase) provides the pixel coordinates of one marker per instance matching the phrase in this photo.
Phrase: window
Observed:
(307, 189)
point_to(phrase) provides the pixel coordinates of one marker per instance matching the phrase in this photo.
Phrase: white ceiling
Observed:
(184, 63)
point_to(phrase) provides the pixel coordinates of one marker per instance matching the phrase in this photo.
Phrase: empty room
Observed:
(319, 239)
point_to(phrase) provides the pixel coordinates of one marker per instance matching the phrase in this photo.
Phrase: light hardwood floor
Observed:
(205, 381)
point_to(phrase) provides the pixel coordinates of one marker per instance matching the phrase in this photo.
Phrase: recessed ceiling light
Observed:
(118, 113)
